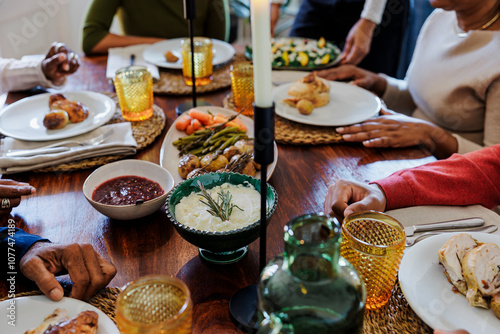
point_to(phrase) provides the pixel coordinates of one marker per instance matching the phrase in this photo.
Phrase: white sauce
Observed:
(193, 213)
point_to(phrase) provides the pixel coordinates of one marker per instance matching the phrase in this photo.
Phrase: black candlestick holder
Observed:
(243, 304)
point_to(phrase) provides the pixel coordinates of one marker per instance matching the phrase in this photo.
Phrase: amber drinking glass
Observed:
(374, 243)
(203, 56)
(242, 87)
(154, 305)
(134, 87)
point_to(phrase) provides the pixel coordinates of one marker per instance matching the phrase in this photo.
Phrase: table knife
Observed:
(36, 151)
(458, 223)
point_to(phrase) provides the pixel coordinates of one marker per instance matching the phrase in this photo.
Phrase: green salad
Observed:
(301, 52)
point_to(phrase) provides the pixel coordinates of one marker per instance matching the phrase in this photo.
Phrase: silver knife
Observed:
(36, 151)
(458, 223)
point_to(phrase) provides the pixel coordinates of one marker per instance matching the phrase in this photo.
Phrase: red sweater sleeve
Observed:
(472, 178)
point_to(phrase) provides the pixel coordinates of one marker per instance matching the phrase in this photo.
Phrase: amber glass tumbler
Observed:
(154, 305)
(242, 87)
(134, 87)
(373, 243)
(203, 56)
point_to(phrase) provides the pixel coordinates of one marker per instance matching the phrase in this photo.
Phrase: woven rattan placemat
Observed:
(172, 82)
(289, 132)
(395, 317)
(144, 133)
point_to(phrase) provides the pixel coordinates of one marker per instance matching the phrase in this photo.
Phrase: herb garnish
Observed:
(222, 207)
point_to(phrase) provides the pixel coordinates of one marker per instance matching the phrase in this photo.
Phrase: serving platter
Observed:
(169, 154)
(31, 311)
(349, 104)
(24, 119)
(431, 296)
(155, 54)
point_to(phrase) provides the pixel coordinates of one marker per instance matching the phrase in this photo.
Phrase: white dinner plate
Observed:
(430, 295)
(169, 154)
(24, 119)
(349, 104)
(30, 311)
(155, 54)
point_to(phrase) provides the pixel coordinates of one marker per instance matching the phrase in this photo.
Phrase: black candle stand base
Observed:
(243, 309)
(188, 105)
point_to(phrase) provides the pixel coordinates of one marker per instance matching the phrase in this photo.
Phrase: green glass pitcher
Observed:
(311, 288)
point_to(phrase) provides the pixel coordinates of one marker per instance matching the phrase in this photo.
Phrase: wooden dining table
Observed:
(60, 212)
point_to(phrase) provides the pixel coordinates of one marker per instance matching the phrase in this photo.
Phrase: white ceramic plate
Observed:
(155, 54)
(24, 119)
(30, 312)
(349, 104)
(430, 295)
(169, 154)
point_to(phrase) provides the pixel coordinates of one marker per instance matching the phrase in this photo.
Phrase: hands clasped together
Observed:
(59, 62)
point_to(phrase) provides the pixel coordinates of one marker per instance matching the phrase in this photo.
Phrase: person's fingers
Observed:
(378, 142)
(13, 182)
(73, 260)
(73, 62)
(99, 270)
(12, 191)
(34, 269)
(9, 203)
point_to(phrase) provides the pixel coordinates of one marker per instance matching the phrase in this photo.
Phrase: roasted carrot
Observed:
(203, 117)
(240, 124)
(219, 118)
(195, 125)
(182, 123)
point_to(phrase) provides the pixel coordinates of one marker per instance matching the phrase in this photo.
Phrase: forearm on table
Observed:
(113, 41)
(466, 179)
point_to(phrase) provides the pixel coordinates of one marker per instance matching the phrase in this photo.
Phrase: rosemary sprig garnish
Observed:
(222, 207)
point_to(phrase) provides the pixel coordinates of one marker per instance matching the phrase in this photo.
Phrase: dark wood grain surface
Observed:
(60, 212)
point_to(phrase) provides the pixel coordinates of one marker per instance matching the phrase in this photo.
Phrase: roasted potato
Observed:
(56, 119)
(305, 107)
(244, 146)
(211, 165)
(187, 164)
(230, 152)
(249, 169)
(196, 172)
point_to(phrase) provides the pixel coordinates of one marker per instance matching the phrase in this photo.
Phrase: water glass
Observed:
(373, 243)
(154, 304)
(134, 87)
(203, 56)
(242, 87)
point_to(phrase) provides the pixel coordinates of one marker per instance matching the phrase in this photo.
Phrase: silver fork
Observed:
(410, 241)
(60, 146)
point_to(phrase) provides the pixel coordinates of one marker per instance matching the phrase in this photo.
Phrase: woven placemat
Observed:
(172, 82)
(144, 132)
(289, 132)
(395, 317)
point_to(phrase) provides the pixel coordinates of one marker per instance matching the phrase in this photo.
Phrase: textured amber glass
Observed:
(242, 87)
(134, 87)
(203, 56)
(374, 243)
(154, 304)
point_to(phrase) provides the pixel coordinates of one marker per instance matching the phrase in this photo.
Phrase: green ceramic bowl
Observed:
(219, 247)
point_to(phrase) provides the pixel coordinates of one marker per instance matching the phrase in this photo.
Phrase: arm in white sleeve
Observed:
(21, 74)
(373, 10)
(397, 97)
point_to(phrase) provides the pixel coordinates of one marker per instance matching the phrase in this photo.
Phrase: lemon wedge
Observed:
(325, 59)
(321, 43)
(303, 58)
(285, 58)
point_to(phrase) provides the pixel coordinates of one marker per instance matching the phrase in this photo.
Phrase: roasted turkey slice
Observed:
(481, 270)
(57, 316)
(451, 256)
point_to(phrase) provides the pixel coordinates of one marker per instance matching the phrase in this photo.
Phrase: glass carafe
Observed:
(311, 288)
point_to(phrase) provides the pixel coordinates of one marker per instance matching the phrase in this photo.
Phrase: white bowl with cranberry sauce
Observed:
(128, 189)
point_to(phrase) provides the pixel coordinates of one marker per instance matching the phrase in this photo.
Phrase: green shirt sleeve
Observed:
(97, 22)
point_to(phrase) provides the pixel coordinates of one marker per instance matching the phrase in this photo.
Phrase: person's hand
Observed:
(11, 192)
(390, 130)
(359, 77)
(275, 15)
(59, 62)
(346, 197)
(358, 41)
(88, 270)
(460, 331)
